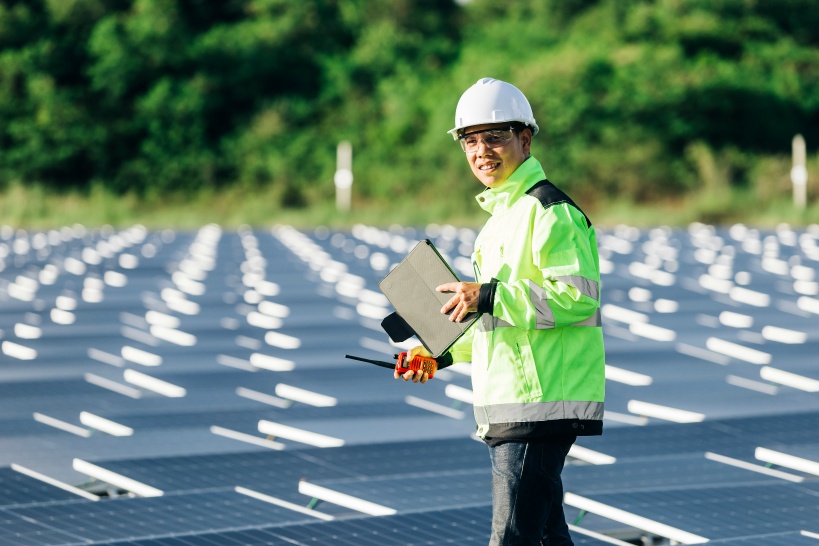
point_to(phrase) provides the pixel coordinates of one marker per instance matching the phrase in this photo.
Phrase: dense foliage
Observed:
(637, 99)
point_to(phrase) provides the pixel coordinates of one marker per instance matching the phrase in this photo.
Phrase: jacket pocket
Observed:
(527, 369)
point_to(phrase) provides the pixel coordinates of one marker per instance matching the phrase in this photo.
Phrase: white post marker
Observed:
(799, 173)
(343, 178)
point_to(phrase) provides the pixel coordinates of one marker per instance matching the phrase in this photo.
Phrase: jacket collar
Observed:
(529, 173)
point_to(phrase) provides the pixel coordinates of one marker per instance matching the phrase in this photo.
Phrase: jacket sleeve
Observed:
(461, 350)
(564, 250)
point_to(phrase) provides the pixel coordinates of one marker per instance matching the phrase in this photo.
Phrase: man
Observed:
(537, 350)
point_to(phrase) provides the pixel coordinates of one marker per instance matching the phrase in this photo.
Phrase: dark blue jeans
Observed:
(527, 494)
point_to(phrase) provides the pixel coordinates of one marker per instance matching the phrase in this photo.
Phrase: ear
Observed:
(526, 140)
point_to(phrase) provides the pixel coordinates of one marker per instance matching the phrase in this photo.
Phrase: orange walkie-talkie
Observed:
(417, 363)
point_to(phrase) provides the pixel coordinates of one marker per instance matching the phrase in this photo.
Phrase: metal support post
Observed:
(343, 178)
(799, 173)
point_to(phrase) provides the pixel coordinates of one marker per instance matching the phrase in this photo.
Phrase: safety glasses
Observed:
(493, 138)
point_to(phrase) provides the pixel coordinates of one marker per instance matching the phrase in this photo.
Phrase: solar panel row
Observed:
(189, 340)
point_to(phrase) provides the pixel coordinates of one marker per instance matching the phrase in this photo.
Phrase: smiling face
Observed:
(492, 166)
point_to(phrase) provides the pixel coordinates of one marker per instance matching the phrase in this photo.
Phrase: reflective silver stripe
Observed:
(489, 323)
(544, 318)
(595, 320)
(532, 412)
(587, 287)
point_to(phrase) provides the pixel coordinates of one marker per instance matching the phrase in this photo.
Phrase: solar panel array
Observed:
(186, 388)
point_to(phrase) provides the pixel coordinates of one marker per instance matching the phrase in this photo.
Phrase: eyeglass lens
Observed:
(493, 138)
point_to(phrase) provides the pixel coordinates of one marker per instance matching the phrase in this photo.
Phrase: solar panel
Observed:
(657, 474)
(469, 526)
(157, 516)
(408, 492)
(248, 418)
(18, 531)
(248, 469)
(173, 449)
(446, 527)
(737, 437)
(779, 539)
(266, 468)
(448, 454)
(11, 428)
(724, 512)
(17, 489)
(666, 439)
(768, 429)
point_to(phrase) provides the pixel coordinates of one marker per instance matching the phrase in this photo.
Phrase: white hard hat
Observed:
(492, 101)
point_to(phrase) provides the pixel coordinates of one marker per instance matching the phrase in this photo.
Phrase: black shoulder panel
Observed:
(548, 195)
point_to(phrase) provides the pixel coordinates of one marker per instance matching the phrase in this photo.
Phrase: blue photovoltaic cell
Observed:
(670, 439)
(784, 539)
(657, 474)
(51, 397)
(224, 470)
(447, 527)
(266, 469)
(804, 451)
(724, 512)
(248, 419)
(159, 516)
(468, 527)
(387, 458)
(412, 492)
(18, 489)
(793, 428)
(731, 437)
(17, 531)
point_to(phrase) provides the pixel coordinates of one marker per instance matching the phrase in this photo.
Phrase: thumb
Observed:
(419, 350)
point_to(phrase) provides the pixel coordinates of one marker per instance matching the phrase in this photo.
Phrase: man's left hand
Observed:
(464, 301)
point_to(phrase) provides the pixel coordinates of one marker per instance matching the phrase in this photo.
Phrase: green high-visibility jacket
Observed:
(538, 367)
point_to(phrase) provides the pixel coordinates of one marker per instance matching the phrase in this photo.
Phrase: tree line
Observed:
(639, 100)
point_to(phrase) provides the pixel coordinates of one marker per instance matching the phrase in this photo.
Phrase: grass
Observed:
(32, 207)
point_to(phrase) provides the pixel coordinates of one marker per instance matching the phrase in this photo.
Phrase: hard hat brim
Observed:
(455, 132)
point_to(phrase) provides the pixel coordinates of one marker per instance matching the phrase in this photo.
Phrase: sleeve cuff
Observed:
(444, 361)
(486, 298)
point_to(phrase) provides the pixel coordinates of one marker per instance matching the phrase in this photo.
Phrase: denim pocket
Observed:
(553, 457)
